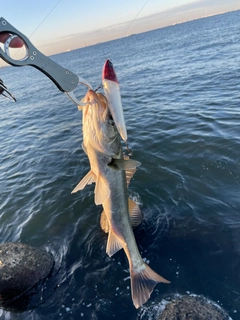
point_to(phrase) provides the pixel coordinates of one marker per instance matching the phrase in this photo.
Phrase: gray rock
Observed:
(21, 268)
(183, 307)
(190, 307)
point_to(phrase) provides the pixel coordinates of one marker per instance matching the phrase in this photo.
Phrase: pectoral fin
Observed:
(121, 164)
(88, 179)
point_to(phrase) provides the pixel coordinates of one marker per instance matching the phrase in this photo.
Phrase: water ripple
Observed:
(180, 91)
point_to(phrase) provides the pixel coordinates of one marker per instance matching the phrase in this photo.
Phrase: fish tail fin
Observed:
(143, 283)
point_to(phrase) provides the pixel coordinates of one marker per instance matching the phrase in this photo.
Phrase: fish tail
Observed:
(143, 283)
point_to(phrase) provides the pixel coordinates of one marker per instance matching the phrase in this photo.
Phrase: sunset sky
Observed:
(58, 25)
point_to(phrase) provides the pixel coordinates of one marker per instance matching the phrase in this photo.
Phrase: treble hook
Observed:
(3, 91)
(99, 87)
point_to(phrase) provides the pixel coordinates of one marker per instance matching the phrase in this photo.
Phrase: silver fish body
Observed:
(101, 142)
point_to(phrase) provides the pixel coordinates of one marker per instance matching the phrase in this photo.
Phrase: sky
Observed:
(55, 26)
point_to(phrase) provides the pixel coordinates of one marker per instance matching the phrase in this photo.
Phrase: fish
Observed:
(112, 92)
(108, 170)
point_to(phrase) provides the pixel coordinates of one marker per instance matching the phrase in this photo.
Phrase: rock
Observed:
(192, 307)
(21, 268)
(186, 307)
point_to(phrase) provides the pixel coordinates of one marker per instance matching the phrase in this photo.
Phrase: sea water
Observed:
(180, 89)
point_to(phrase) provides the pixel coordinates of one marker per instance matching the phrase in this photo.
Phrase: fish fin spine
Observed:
(143, 283)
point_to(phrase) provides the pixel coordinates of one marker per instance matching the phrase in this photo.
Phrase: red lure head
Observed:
(108, 72)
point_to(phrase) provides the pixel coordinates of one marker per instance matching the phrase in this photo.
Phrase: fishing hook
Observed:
(3, 90)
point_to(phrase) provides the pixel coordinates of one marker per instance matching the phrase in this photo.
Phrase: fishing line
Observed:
(39, 24)
(128, 27)
(135, 18)
(128, 152)
(131, 23)
(45, 18)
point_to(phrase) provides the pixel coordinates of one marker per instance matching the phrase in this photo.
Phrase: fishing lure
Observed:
(5, 92)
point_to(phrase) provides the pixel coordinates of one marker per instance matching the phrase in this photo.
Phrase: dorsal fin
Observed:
(135, 213)
(129, 175)
(114, 244)
(129, 172)
(101, 191)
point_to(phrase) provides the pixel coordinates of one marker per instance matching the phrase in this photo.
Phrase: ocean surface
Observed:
(180, 89)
